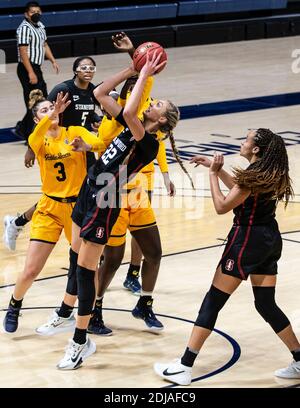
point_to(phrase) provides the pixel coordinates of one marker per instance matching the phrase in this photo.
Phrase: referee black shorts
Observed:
(253, 250)
(95, 222)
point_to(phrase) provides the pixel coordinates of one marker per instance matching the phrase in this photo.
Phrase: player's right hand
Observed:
(122, 42)
(203, 160)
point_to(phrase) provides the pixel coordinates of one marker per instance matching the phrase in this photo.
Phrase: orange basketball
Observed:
(140, 55)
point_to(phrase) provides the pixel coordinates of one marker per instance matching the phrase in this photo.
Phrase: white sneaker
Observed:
(56, 325)
(292, 371)
(76, 354)
(174, 372)
(11, 232)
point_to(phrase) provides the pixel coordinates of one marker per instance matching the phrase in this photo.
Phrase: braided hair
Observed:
(269, 174)
(173, 115)
(35, 98)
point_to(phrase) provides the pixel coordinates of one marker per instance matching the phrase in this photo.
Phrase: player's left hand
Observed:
(216, 163)
(95, 126)
(79, 145)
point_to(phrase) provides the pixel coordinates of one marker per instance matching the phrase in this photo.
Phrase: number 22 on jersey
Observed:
(109, 154)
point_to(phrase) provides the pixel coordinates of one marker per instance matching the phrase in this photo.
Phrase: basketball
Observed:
(140, 55)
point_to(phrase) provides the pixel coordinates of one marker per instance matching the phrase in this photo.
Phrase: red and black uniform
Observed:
(254, 242)
(81, 111)
(98, 204)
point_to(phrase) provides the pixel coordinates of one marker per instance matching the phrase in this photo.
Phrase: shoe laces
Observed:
(14, 231)
(295, 365)
(97, 317)
(55, 318)
(13, 314)
(73, 348)
(147, 309)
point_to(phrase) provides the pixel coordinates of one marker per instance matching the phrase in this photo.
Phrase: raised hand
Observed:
(152, 64)
(201, 160)
(61, 102)
(122, 42)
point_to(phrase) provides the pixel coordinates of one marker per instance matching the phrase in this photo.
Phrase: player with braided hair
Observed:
(253, 248)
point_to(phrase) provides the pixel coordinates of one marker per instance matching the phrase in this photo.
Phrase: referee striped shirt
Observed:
(34, 37)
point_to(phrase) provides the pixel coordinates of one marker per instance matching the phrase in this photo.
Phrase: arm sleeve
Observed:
(162, 158)
(149, 146)
(36, 139)
(58, 88)
(23, 36)
(96, 143)
(120, 119)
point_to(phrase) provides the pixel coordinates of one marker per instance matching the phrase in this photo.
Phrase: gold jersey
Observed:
(62, 170)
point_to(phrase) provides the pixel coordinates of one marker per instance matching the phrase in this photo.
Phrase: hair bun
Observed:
(35, 96)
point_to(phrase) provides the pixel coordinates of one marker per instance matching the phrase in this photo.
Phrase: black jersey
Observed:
(257, 209)
(124, 157)
(81, 112)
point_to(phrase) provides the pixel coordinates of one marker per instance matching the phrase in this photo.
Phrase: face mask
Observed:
(35, 18)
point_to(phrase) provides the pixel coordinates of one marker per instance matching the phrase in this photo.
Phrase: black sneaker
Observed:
(18, 131)
(97, 326)
(10, 322)
(146, 313)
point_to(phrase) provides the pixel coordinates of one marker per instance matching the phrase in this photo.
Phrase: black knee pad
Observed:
(266, 306)
(86, 290)
(72, 279)
(213, 302)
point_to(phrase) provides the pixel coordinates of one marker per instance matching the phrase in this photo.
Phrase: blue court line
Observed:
(235, 346)
(212, 109)
(239, 105)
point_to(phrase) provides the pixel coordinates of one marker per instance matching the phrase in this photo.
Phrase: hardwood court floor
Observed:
(191, 233)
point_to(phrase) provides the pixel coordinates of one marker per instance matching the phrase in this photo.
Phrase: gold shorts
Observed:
(136, 214)
(49, 219)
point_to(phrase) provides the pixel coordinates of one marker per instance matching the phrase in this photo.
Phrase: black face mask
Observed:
(35, 18)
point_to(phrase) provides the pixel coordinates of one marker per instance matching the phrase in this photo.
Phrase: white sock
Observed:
(143, 293)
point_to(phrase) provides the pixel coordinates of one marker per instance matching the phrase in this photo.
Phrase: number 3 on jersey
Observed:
(61, 170)
(109, 154)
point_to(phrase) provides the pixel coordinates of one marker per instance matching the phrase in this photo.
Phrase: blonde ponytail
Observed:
(35, 98)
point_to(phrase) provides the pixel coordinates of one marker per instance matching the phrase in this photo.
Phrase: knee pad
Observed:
(72, 279)
(213, 302)
(266, 306)
(86, 290)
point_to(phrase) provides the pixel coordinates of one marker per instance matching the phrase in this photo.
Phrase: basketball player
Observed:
(98, 206)
(253, 248)
(80, 112)
(123, 43)
(62, 173)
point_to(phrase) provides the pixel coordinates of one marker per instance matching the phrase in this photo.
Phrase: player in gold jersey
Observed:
(62, 173)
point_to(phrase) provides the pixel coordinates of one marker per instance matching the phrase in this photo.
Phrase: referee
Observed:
(32, 49)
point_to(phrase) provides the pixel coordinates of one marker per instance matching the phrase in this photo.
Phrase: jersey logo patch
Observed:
(229, 264)
(75, 98)
(100, 232)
